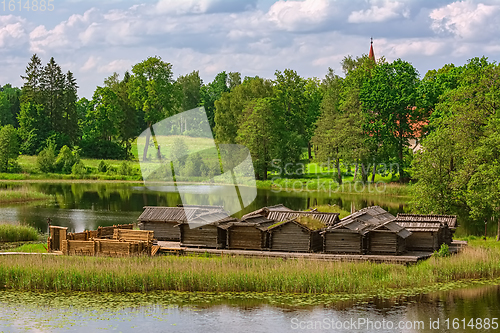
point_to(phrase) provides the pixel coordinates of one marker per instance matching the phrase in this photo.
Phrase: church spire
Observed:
(371, 55)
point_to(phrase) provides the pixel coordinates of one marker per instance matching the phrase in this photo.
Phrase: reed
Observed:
(21, 194)
(238, 274)
(17, 233)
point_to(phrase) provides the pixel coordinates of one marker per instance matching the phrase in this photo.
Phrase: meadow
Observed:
(238, 274)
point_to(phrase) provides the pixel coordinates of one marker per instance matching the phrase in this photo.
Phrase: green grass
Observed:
(30, 248)
(21, 194)
(332, 209)
(16, 233)
(330, 186)
(238, 274)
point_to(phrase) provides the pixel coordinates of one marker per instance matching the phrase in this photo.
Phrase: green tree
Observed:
(260, 133)
(229, 108)
(457, 169)
(389, 104)
(213, 91)
(9, 147)
(190, 85)
(46, 159)
(151, 89)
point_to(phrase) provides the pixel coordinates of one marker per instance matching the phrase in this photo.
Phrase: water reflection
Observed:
(174, 312)
(82, 206)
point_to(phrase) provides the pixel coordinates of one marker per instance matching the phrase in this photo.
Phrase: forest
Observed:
(440, 132)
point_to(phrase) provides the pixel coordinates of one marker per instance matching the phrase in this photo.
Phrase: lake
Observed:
(195, 312)
(81, 206)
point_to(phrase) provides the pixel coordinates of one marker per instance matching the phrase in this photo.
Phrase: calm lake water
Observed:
(81, 206)
(84, 312)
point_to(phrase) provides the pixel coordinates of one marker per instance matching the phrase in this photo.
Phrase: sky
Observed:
(94, 38)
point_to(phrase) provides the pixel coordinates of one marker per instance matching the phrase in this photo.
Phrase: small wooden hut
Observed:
(57, 235)
(162, 220)
(387, 238)
(346, 237)
(249, 234)
(429, 232)
(293, 236)
(378, 233)
(200, 233)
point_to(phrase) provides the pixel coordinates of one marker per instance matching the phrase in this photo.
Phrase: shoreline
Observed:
(260, 185)
(205, 273)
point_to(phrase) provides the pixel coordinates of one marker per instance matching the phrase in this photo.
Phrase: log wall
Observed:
(206, 236)
(381, 242)
(246, 238)
(164, 231)
(343, 242)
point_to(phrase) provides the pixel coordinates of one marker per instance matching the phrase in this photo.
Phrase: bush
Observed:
(9, 147)
(102, 149)
(125, 169)
(66, 159)
(444, 251)
(16, 233)
(103, 166)
(78, 169)
(46, 159)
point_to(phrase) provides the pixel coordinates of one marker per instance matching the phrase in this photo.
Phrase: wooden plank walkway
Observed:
(410, 257)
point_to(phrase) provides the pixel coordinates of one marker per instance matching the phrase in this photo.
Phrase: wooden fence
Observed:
(125, 242)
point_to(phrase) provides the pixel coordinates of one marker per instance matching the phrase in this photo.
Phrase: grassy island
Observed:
(237, 274)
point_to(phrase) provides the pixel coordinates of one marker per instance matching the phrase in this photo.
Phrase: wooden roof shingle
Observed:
(328, 219)
(450, 220)
(175, 214)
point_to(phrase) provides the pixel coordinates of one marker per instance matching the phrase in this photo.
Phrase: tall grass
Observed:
(238, 274)
(16, 233)
(20, 195)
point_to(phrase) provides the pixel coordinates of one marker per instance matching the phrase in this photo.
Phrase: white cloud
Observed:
(90, 64)
(380, 11)
(466, 19)
(12, 31)
(299, 15)
(181, 7)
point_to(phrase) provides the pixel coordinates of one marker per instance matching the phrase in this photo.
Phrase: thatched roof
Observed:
(417, 219)
(176, 214)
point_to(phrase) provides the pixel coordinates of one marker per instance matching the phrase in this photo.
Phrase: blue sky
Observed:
(94, 38)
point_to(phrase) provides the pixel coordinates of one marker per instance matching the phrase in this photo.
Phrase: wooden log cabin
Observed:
(429, 232)
(387, 238)
(249, 234)
(378, 233)
(202, 233)
(347, 237)
(162, 220)
(293, 236)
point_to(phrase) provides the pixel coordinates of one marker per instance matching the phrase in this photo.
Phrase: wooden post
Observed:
(498, 229)
(485, 228)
